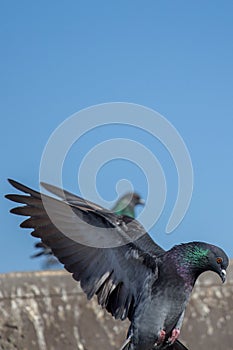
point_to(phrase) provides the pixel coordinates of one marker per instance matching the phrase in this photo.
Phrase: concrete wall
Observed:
(48, 311)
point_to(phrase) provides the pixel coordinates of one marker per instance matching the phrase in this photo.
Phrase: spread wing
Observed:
(100, 249)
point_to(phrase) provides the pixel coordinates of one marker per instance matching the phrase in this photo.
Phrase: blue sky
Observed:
(173, 56)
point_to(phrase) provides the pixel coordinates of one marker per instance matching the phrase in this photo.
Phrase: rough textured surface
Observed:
(48, 311)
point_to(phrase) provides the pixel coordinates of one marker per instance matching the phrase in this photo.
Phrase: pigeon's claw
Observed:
(161, 338)
(174, 336)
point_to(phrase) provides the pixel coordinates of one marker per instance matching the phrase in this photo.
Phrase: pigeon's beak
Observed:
(141, 201)
(223, 275)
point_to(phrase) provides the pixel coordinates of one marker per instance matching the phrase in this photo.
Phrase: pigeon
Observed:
(124, 206)
(114, 258)
(127, 203)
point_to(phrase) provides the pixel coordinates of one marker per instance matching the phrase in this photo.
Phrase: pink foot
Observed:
(174, 336)
(162, 335)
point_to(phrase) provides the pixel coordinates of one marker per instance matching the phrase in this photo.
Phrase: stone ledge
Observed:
(47, 310)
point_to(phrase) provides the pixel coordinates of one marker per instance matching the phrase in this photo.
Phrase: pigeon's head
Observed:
(198, 257)
(132, 199)
(218, 261)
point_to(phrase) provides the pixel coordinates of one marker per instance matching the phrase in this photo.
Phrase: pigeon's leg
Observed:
(161, 337)
(176, 331)
(174, 336)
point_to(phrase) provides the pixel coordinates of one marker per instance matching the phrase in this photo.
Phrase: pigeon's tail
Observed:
(168, 346)
(126, 345)
(177, 346)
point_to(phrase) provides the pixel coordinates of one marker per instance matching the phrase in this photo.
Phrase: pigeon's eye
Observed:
(219, 260)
